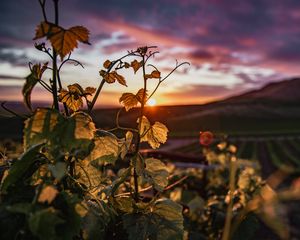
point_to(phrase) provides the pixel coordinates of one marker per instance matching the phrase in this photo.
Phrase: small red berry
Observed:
(206, 138)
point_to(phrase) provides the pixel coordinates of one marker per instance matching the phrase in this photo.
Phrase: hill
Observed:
(274, 108)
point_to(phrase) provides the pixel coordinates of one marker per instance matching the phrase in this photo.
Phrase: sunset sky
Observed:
(233, 46)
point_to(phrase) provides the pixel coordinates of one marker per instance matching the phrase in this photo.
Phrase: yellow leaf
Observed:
(62, 40)
(155, 134)
(89, 91)
(112, 77)
(107, 64)
(73, 97)
(84, 126)
(39, 126)
(140, 94)
(154, 74)
(136, 65)
(48, 194)
(129, 100)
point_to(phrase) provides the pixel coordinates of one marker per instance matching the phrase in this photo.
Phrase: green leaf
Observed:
(77, 134)
(164, 222)
(88, 175)
(105, 151)
(42, 127)
(97, 219)
(20, 167)
(43, 223)
(156, 173)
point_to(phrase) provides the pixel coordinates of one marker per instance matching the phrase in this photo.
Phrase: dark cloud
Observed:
(13, 58)
(256, 33)
(10, 77)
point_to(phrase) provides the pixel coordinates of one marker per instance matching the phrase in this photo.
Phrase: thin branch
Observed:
(175, 183)
(42, 4)
(91, 106)
(68, 59)
(163, 79)
(45, 85)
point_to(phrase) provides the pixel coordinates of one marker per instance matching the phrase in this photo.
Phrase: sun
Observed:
(151, 102)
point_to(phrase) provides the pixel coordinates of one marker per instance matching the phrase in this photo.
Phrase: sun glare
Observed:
(151, 102)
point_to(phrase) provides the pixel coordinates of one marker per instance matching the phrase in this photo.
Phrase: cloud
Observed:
(258, 35)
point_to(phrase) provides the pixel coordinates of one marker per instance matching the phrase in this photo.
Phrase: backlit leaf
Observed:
(76, 134)
(136, 65)
(107, 64)
(155, 134)
(112, 77)
(156, 173)
(129, 100)
(48, 194)
(62, 40)
(31, 80)
(41, 126)
(88, 175)
(73, 97)
(105, 151)
(89, 90)
(154, 74)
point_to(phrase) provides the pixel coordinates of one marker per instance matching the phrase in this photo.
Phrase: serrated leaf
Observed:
(73, 97)
(41, 126)
(48, 194)
(165, 222)
(154, 74)
(112, 77)
(19, 168)
(62, 40)
(155, 134)
(43, 223)
(31, 80)
(136, 65)
(77, 134)
(105, 151)
(88, 175)
(156, 173)
(129, 100)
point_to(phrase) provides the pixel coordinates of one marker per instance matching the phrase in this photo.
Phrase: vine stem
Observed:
(54, 63)
(91, 105)
(135, 176)
(227, 226)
